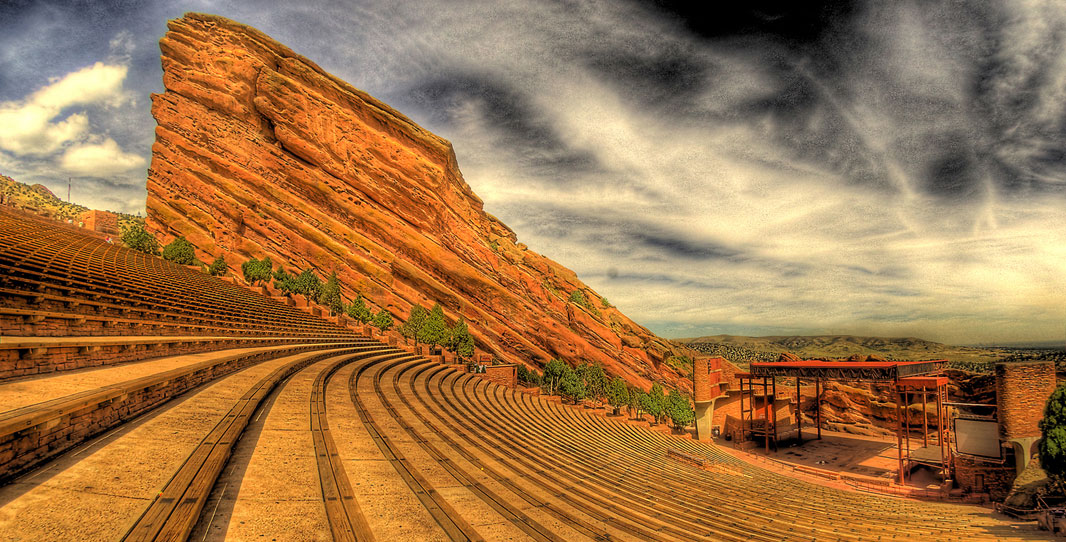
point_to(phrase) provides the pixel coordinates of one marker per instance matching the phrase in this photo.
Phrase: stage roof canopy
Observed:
(847, 370)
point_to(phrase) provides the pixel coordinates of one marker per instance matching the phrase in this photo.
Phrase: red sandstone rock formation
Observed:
(260, 152)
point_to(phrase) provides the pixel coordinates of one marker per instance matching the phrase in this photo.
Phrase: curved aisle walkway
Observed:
(96, 491)
(271, 488)
(392, 510)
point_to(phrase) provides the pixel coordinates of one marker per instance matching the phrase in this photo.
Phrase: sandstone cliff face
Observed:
(260, 152)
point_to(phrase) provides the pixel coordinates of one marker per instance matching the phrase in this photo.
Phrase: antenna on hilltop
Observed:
(68, 189)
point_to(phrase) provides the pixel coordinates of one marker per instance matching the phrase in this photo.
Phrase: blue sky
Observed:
(887, 168)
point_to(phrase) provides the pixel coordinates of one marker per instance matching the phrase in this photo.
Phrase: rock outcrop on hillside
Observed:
(259, 152)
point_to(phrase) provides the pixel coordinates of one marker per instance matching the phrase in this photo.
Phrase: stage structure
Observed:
(910, 379)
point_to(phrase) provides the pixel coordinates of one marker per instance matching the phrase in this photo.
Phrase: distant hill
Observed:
(39, 200)
(742, 350)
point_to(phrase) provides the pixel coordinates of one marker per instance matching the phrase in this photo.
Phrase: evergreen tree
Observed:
(528, 376)
(1052, 448)
(308, 284)
(636, 396)
(617, 393)
(358, 311)
(383, 320)
(679, 410)
(462, 343)
(412, 328)
(138, 238)
(180, 251)
(571, 386)
(435, 330)
(595, 381)
(218, 267)
(330, 294)
(553, 372)
(654, 402)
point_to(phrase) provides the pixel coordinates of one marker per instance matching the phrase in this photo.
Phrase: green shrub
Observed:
(180, 251)
(218, 267)
(603, 301)
(578, 298)
(138, 238)
(1053, 430)
(256, 271)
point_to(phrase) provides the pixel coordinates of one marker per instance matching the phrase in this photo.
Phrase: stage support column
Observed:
(925, 420)
(773, 408)
(766, 414)
(941, 428)
(899, 435)
(818, 405)
(907, 423)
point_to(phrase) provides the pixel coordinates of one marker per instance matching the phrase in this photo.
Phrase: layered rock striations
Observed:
(260, 152)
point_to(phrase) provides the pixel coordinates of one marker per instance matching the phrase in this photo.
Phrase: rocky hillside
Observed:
(38, 199)
(259, 152)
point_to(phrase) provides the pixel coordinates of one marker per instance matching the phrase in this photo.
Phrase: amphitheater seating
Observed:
(237, 417)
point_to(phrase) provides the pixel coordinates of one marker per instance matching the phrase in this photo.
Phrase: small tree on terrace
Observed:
(636, 398)
(654, 402)
(679, 410)
(435, 330)
(256, 271)
(553, 373)
(330, 294)
(412, 328)
(383, 320)
(461, 342)
(617, 393)
(138, 238)
(308, 284)
(571, 386)
(527, 376)
(180, 251)
(358, 311)
(1053, 428)
(595, 381)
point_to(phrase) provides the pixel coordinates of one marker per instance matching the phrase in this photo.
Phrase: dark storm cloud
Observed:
(795, 21)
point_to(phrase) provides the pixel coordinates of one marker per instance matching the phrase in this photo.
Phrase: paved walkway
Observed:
(25, 392)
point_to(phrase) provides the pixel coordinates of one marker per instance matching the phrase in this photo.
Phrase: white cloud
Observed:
(30, 126)
(99, 159)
